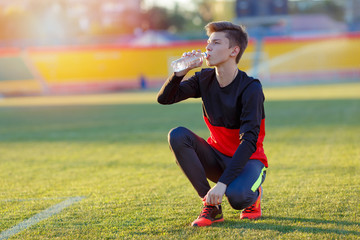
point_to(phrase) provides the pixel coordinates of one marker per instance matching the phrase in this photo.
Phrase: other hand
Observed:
(215, 194)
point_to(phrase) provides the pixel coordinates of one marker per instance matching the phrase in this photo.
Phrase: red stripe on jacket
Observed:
(227, 141)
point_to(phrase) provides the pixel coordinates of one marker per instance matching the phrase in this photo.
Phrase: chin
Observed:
(209, 63)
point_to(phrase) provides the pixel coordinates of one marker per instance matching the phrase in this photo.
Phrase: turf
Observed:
(116, 156)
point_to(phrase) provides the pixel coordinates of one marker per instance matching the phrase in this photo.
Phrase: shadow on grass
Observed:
(317, 221)
(285, 225)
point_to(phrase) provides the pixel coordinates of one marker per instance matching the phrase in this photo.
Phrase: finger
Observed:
(207, 201)
(201, 62)
(210, 199)
(186, 54)
(214, 200)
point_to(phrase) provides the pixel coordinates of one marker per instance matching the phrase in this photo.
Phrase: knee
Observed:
(239, 198)
(176, 136)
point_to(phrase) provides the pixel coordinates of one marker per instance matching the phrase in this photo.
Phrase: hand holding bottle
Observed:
(188, 61)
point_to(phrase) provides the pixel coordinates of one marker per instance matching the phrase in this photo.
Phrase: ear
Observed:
(235, 51)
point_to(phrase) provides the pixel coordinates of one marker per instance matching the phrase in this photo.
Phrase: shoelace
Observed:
(205, 211)
(249, 209)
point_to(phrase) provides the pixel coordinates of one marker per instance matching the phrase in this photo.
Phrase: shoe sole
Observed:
(256, 218)
(216, 221)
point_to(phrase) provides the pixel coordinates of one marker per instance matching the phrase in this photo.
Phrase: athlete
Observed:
(233, 110)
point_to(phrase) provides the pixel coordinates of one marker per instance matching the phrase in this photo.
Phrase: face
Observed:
(218, 49)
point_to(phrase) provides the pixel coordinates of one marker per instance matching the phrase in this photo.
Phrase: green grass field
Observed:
(115, 154)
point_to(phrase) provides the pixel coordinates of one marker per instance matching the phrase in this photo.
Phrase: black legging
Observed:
(199, 161)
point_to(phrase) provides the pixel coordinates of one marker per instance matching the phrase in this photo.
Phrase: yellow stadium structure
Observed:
(55, 70)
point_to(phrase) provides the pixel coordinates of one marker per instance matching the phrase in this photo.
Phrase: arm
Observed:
(251, 116)
(175, 90)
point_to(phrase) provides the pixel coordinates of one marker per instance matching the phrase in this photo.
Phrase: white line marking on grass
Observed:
(31, 199)
(39, 217)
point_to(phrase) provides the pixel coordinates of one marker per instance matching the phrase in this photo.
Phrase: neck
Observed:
(225, 74)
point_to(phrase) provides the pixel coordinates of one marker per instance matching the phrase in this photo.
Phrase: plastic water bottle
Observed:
(185, 62)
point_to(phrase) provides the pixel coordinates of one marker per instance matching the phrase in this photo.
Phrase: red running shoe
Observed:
(254, 211)
(208, 216)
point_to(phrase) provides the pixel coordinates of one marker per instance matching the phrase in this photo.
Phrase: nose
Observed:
(208, 47)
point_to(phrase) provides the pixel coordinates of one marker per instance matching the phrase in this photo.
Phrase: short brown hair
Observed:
(236, 34)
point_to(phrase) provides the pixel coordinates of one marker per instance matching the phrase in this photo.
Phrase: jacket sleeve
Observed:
(175, 89)
(250, 118)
